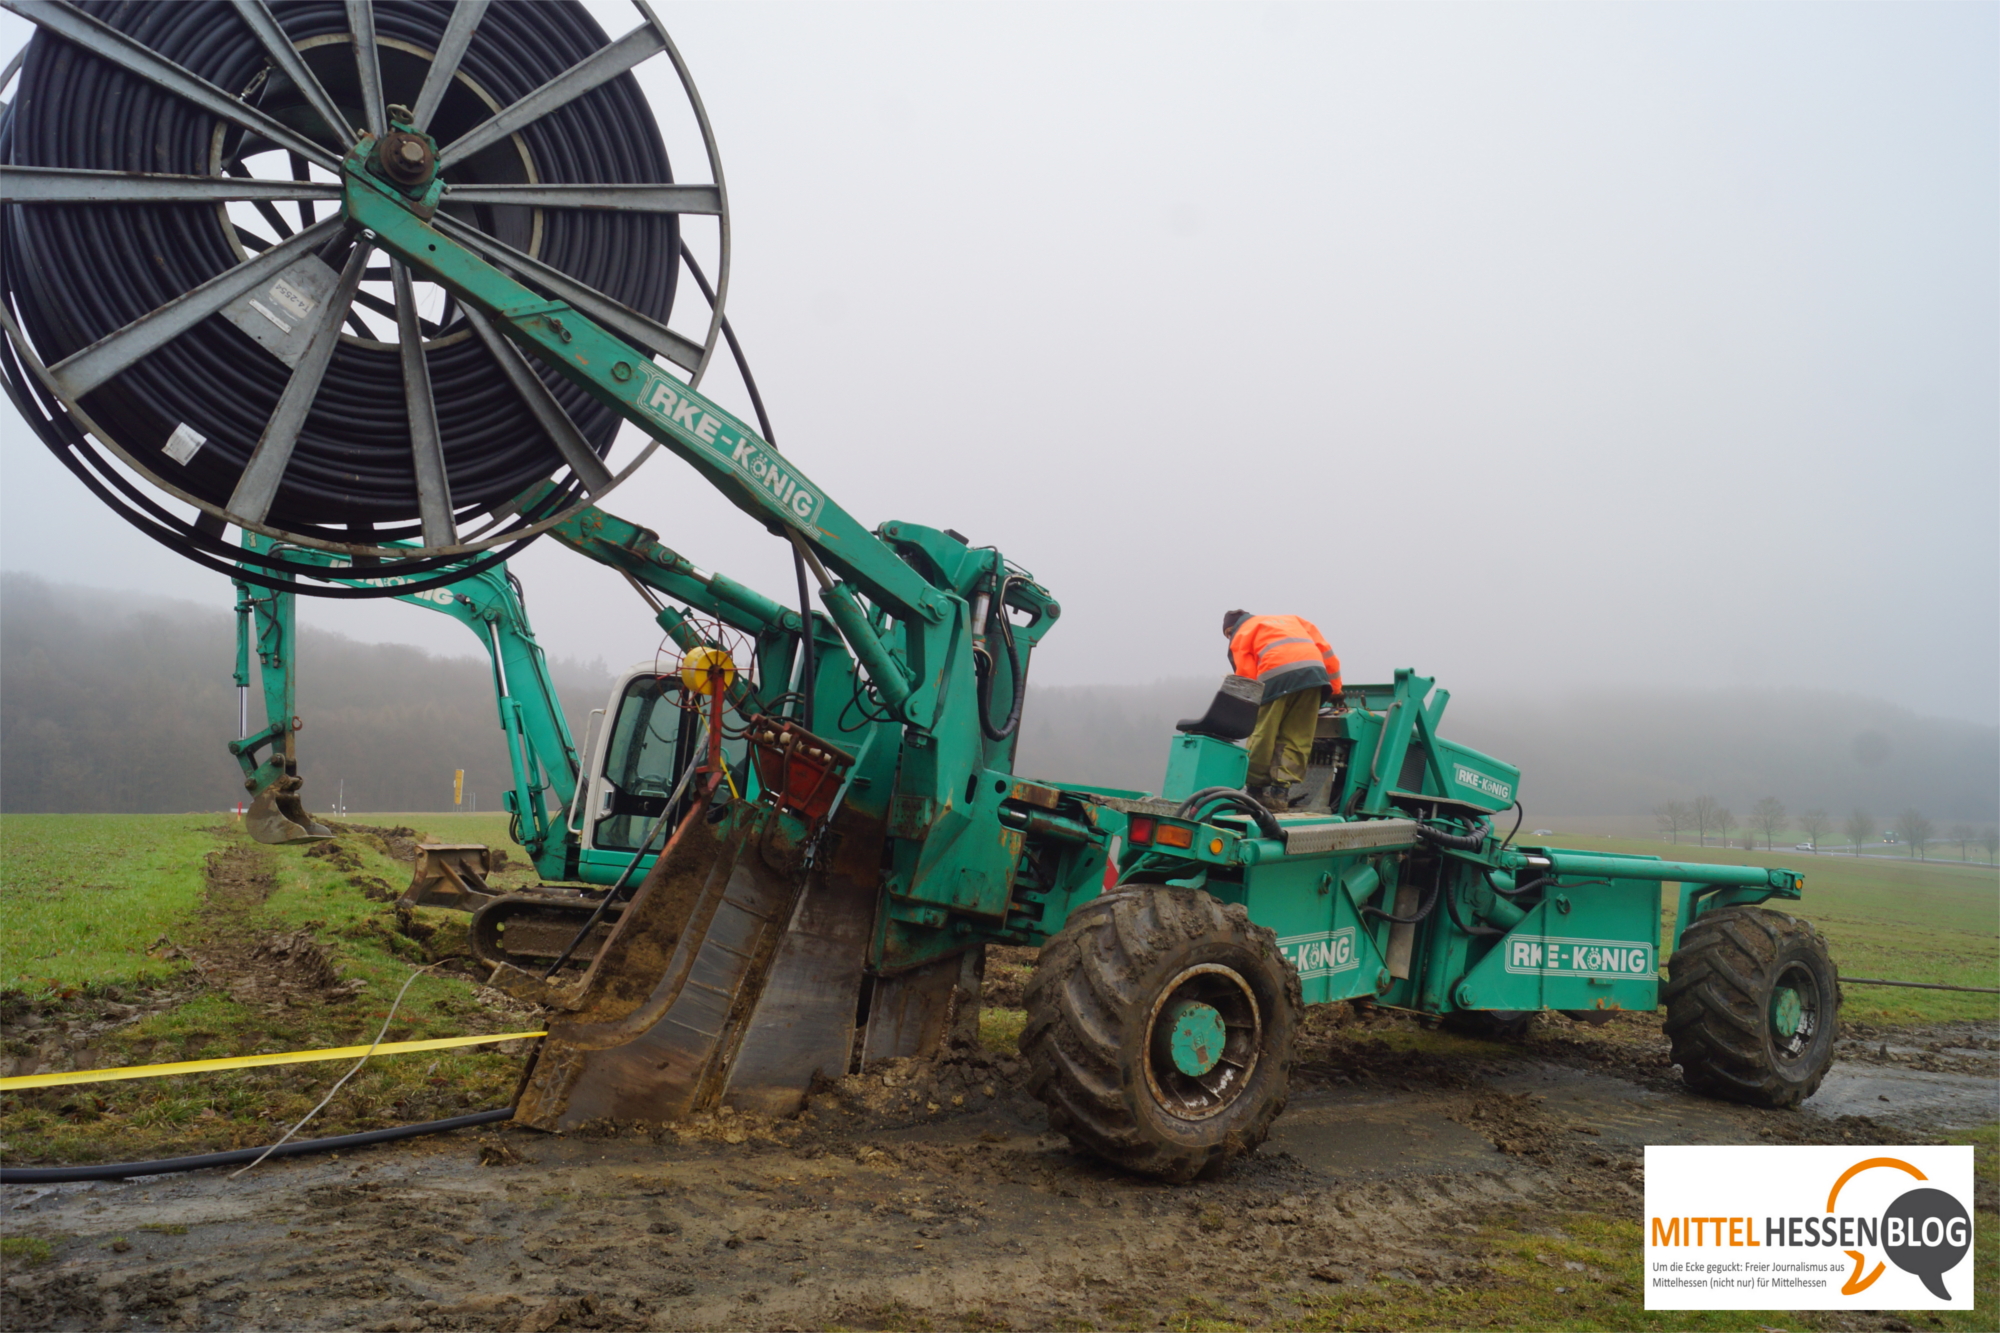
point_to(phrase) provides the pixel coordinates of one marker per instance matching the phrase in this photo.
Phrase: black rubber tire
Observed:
(1719, 993)
(1089, 1035)
(1491, 1024)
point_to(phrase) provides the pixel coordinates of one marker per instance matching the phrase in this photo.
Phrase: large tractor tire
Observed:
(1161, 1030)
(1753, 1006)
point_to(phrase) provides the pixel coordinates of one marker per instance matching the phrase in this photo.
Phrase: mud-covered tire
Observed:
(1101, 1061)
(1728, 1011)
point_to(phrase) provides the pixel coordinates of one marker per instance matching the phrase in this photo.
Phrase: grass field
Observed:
(1898, 920)
(73, 946)
(83, 897)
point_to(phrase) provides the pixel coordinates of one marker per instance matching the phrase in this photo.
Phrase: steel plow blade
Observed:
(726, 980)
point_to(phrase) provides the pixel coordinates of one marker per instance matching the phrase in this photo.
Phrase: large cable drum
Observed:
(182, 291)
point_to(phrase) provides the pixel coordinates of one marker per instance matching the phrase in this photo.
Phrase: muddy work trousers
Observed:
(1281, 743)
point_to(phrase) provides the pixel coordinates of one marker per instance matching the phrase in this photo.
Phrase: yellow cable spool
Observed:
(708, 671)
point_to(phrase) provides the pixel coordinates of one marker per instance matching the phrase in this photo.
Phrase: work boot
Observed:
(1274, 799)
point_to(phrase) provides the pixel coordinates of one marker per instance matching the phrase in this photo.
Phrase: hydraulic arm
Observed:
(901, 597)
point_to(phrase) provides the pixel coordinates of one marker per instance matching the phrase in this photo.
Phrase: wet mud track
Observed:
(932, 1195)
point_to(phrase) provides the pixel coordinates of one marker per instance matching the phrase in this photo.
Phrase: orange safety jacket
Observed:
(1286, 653)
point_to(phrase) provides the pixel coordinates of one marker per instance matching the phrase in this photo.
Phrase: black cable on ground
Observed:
(57, 1175)
(1917, 985)
(75, 272)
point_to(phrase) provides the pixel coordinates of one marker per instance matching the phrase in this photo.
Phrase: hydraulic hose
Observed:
(1523, 890)
(1424, 909)
(1267, 823)
(58, 1175)
(1465, 842)
(76, 272)
(998, 612)
(808, 649)
(1451, 906)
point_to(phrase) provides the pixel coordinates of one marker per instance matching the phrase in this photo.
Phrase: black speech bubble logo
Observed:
(1935, 1234)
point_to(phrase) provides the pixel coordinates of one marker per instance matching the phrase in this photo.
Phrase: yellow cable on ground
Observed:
(20, 1081)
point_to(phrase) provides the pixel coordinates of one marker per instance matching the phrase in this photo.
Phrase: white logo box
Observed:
(1808, 1228)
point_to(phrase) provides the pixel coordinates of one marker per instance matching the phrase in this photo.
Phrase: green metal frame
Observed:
(1588, 939)
(900, 598)
(975, 855)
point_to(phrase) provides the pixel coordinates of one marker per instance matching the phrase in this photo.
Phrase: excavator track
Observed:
(530, 931)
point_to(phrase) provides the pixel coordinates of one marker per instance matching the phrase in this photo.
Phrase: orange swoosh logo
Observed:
(1857, 1283)
(1859, 1167)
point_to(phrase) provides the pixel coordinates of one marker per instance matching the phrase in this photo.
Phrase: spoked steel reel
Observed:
(180, 284)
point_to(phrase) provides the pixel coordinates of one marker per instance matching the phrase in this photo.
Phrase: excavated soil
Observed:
(267, 968)
(274, 970)
(931, 1194)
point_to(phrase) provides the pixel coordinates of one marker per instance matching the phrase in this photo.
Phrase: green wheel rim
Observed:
(1202, 1040)
(1796, 1012)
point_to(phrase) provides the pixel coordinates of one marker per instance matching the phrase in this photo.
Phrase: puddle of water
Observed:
(1625, 1114)
(1944, 1101)
(1371, 1138)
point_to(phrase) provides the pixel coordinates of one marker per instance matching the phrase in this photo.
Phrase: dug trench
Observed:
(1417, 1178)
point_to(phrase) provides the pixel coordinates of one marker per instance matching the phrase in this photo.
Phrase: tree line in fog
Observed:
(1771, 822)
(110, 702)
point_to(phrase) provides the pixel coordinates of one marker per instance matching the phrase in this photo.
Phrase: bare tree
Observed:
(1673, 818)
(1963, 834)
(1768, 815)
(1814, 824)
(1704, 809)
(1913, 828)
(1724, 822)
(1857, 828)
(1990, 840)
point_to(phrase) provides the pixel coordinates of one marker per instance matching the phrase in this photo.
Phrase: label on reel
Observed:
(278, 315)
(184, 443)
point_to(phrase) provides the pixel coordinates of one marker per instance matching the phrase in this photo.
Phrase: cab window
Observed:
(652, 738)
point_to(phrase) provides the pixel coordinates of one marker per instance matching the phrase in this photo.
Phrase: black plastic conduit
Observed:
(59, 1175)
(77, 272)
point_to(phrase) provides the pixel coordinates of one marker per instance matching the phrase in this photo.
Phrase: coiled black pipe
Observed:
(202, 545)
(1267, 823)
(77, 272)
(58, 1175)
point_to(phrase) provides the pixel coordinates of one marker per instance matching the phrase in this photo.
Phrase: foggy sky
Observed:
(1524, 345)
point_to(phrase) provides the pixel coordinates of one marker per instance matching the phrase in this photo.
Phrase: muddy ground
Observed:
(930, 1195)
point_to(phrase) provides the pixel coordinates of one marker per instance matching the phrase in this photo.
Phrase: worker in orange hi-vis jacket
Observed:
(1290, 658)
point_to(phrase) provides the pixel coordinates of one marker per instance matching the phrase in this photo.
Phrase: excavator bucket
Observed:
(732, 977)
(277, 815)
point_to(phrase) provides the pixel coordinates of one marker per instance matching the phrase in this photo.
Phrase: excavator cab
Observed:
(635, 763)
